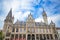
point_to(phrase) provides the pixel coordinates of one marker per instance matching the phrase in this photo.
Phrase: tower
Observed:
(45, 17)
(30, 21)
(30, 18)
(8, 22)
(9, 17)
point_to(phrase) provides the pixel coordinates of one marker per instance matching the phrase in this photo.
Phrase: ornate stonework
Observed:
(29, 30)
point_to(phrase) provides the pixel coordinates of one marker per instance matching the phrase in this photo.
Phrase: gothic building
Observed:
(29, 29)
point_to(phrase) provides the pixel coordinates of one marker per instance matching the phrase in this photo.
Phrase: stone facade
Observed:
(58, 30)
(29, 30)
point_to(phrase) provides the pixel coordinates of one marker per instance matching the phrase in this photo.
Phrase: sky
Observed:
(22, 8)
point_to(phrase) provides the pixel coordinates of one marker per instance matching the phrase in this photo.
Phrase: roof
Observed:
(58, 28)
(23, 23)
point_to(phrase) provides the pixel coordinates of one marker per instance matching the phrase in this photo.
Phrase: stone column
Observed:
(53, 37)
(31, 36)
(26, 36)
(39, 36)
(22, 36)
(14, 36)
(35, 36)
(49, 37)
(18, 36)
(42, 36)
(46, 36)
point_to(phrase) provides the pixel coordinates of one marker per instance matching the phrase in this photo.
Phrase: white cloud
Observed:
(19, 5)
(39, 19)
(54, 18)
(1, 22)
(21, 16)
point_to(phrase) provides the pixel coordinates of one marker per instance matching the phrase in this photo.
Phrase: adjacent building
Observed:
(58, 30)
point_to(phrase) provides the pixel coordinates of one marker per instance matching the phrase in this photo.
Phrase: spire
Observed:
(10, 13)
(45, 16)
(9, 16)
(44, 13)
(52, 23)
(30, 18)
(17, 22)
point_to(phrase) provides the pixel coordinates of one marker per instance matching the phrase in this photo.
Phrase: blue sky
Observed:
(22, 8)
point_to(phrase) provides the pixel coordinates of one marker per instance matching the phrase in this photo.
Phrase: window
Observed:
(33, 30)
(8, 27)
(24, 29)
(40, 36)
(16, 36)
(51, 36)
(20, 29)
(44, 36)
(20, 36)
(29, 30)
(47, 36)
(37, 36)
(13, 29)
(56, 36)
(31, 24)
(16, 29)
(6, 39)
(36, 30)
(12, 36)
(24, 36)
(41, 30)
(47, 30)
(7, 34)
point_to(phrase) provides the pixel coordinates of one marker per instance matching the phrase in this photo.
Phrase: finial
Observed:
(43, 10)
(51, 21)
(30, 13)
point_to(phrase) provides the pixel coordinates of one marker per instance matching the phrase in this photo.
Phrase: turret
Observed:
(8, 22)
(30, 18)
(52, 24)
(9, 17)
(45, 17)
(30, 21)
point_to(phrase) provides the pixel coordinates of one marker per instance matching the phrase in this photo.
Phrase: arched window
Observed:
(51, 36)
(13, 29)
(37, 36)
(24, 36)
(40, 36)
(16, 36)
(29, 30)
(33, 30)
(12, 35)
(56, 36)
(20, 36)
(36, 29)
(20, 29)
(7, 34)
(24, 29)
(16, 29)
(47, 36)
